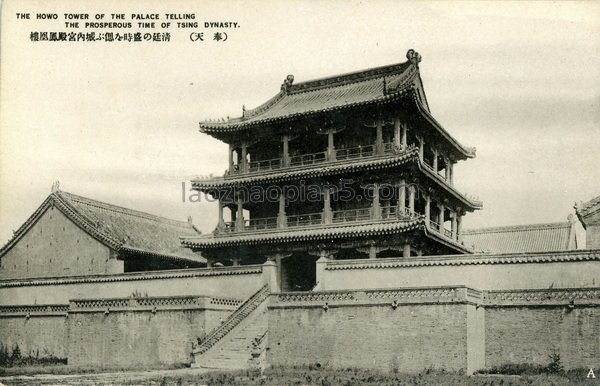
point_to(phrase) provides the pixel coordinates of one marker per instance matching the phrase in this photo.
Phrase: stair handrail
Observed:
(232, 320)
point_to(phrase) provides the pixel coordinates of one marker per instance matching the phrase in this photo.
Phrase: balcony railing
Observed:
(304, 219)
(363, 214)
(430, 168)
(355, 152)
(270, 164)
(308, 159)
(309, 219)
(393, 212)
(315, 158)
(440, 229)
(257, 224)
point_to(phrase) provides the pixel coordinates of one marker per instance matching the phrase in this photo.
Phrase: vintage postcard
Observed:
(299, 192)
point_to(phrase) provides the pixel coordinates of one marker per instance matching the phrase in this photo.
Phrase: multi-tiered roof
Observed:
(408, 148)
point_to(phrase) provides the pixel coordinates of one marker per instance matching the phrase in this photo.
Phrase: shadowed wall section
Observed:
(454, 328)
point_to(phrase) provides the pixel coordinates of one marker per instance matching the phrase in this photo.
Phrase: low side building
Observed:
(559, 236)
(70, 235)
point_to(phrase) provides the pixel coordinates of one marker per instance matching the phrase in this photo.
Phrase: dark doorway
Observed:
(298, 272)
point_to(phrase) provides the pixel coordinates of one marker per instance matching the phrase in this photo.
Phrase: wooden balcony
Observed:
(308, 159)
(440, 229)
(388, 213)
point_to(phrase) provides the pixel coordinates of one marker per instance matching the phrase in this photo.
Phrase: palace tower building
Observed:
(346, 167)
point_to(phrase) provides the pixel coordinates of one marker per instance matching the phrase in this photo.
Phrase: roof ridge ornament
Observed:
(413, 57)
(287, 83)
(55, 187)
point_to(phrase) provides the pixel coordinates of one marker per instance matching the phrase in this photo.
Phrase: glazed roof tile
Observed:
(324, 95)
(521, 238)
(367, 87)
(314, 233)
(119, 228)
(302, 234)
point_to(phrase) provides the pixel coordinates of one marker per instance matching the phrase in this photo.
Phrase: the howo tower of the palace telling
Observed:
(382, 164)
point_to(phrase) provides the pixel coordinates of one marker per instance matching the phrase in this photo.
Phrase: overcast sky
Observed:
(118, 122)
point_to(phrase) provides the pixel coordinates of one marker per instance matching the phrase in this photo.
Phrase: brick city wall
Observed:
(236, 282)
(570, 269)
(55, 246)
(39, 330)
(528, 326)
(392, 330)
(114, 332)
(454, 328)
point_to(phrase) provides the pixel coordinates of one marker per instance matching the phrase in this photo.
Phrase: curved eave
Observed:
(216, 128)
(467, 152)
(279, 236)
(447, 242)
(124, 251)
(471, 204)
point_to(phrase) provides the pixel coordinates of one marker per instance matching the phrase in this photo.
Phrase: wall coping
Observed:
(154, 303)
(134, 276)
(542, 297)
(570, 297)
(28, 310)
(380, 296)
(446, 260)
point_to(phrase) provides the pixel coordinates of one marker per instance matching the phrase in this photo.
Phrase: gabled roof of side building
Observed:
(551, 237)
(121, 229)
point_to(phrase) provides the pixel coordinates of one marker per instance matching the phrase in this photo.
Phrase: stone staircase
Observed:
(240, 340)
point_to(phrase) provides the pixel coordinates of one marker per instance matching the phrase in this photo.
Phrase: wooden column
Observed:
(235, 261)
(406, 250)
(327, 214)
(451, 173)
(427, 209)
(447, 170)
(402, 195)
(453, 226)
(281, 216)
(330, 145)
(435, 160)
(285, 160)
(411, 199)
(231, 149)
(459, 227)
(244, 164)
(372, 252)
(239, 222)
(397, 130)
(221, 224)
(379, 137)
(376, 205)
(421, 147)
(404, 135)
(441, 216)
